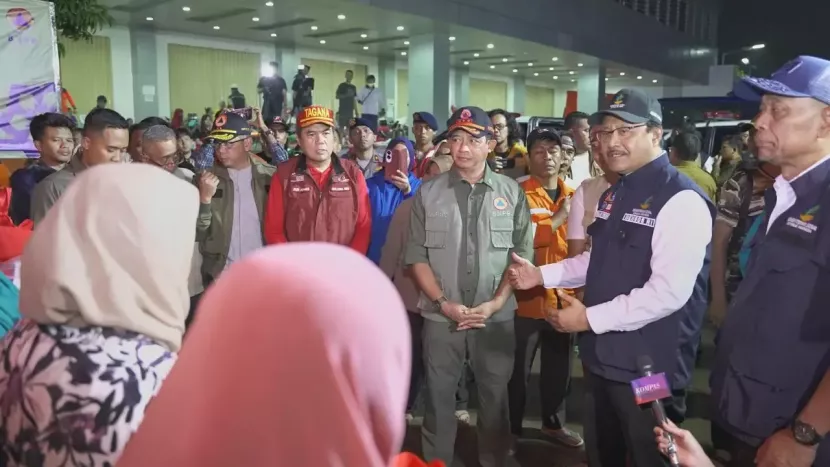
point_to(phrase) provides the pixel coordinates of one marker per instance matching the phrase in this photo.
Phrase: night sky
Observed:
(788, 28)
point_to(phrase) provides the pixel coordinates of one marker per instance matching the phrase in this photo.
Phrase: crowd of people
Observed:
(322, 289)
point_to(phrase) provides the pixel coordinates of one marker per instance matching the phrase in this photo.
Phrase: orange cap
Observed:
(315, 114)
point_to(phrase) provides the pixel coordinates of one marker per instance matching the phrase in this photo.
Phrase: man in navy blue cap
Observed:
(363, 152)
(771, 376)
(424, 126)
(464, 225)
(645, 281)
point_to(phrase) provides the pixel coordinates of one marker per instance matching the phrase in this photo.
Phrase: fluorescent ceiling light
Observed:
(341, 17)
(400, 28)
(149, 18)
(322, 41)
(255, 19)
(314, 28)
(466, 62)
(364, 35)
(185, 8)
(490, 46)
(452, 38)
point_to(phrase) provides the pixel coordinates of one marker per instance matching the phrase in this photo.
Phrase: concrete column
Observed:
(387, 80)
(145, 75)
(461, 87)
(560, 99)
(429, 74)
(519, 93)
(289, 63)
(591, 89)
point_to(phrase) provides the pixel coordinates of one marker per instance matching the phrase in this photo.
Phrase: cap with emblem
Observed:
(278, 121)
(356, 122)
(631, 106)
(542, 134)
(425, 117)
(229, 126)
(473, 120)
(315, 114)
(803, 77)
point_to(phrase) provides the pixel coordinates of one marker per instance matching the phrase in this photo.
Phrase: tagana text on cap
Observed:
(315, 114)
(472, 120)
(631, 106)
(804, 76)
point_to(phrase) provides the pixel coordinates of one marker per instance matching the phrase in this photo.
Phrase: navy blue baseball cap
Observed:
(632, 106)
(425, 117)
(804, 76)
(356, 122)
(473, 120)
(543, 134)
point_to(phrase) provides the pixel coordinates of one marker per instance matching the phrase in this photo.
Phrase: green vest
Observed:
(446, 248)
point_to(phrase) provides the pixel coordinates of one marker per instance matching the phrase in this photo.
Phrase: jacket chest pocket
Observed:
(501, 232)
(299, 190)
(437, 229)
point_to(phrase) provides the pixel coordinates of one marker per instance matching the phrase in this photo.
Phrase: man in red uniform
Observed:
(317, 196)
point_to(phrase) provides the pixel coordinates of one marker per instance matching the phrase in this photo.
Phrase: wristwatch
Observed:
(440, 301)
(805, 434)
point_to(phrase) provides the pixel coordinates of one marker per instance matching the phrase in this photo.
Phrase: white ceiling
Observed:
(317, 24)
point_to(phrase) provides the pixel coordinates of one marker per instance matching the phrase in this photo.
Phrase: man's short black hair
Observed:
(102, 98)
(686, 146)
(49, 120)
(572, 118)
(183, 132)
(101, 119)
(350, 71)
(370, 78)
(147, 123)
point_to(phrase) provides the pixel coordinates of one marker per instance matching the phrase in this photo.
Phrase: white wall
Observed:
(122, 70)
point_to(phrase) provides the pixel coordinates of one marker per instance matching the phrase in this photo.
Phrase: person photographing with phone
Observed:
(646, 273)
(549, 199)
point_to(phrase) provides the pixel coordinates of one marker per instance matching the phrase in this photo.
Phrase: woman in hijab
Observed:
(104, 298)
(330, 391)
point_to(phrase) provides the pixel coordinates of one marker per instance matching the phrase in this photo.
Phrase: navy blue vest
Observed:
(774, 346)
(621, 261)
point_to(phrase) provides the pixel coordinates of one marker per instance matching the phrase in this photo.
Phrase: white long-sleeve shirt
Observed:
(682, 231)
(372, 100)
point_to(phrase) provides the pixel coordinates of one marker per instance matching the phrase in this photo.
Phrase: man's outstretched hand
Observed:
(523, 275)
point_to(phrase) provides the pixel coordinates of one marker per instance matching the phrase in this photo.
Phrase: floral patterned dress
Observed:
(74, 396)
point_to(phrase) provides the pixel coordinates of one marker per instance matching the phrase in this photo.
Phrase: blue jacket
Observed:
(9, 312)
(384, 197)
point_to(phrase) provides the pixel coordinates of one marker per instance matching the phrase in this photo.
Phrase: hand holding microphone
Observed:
(649, 390)
(688, 451)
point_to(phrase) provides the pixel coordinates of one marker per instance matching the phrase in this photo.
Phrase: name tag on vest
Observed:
(602, 215)
(300, 189)
(341, 188)
(640, 220)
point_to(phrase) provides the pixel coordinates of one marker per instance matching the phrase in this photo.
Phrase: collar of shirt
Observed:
(486, 179)
(788, 189)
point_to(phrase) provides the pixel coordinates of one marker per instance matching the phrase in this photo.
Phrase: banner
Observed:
(29, 80)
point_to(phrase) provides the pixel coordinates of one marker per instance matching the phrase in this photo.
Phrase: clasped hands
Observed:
(469, 318)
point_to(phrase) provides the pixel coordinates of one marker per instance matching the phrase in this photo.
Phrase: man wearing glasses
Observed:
(645, 281)
(233, 194)
(464, 225)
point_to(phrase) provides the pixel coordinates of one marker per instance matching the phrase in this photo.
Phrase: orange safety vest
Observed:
(549, 246)
(407, 459)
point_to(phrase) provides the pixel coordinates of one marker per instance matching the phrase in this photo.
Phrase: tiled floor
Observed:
(533, 452)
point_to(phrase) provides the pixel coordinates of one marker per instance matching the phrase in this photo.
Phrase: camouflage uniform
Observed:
(730, 203)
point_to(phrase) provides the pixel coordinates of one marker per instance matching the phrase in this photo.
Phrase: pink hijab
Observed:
(299, 356)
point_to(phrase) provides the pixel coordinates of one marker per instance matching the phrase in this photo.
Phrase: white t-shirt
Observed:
(581, 169)
(371, 99)
(584, 205)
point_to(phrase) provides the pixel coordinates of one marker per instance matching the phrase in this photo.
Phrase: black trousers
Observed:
(616, 428)
(416, 326)
(555, 374)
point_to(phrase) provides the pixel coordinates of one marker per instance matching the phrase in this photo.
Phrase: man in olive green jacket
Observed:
(233, 195)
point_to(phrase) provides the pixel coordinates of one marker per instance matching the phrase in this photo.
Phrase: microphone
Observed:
(650, 389)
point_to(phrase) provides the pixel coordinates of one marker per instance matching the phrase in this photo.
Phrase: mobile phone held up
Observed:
(246, 112)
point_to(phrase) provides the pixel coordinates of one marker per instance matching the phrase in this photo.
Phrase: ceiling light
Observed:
(745, 61)
(216, 27)
(622, 73)
(314, 28)
(515, 70)
(466, 62)
(149, 18)
(580, 64)
(654, 81)
(639, 77)
(504, 60)
(551, 68)
(535, 74)
(255, 19)
(571, 72)
(365, 47)
(403, 53)
(758, 46)
(322, 41)
(573, 81)
(606, 79)
(364, 35)
(185, 8)
(490, 46)
(555, 59)
(555, 77)
(400, 28)
(405, 42)
(273, 34)
(530, 64)
(476, 54)
(269, 3)
(341, 17)
(492, 67)
(452, 38)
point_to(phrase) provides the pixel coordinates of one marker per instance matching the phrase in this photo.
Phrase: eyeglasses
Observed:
(501, 127)
(624, 132)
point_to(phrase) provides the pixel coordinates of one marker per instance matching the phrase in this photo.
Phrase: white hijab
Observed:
(114, 251)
